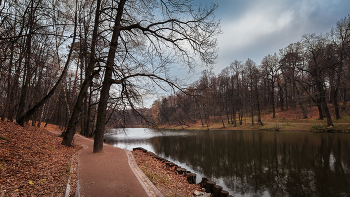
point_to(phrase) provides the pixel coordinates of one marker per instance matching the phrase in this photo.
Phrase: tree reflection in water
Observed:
(258, 162)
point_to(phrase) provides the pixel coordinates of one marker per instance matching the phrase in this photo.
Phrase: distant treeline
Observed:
(312, 72)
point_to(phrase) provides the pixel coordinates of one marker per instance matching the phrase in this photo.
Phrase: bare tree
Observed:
(317, 68)
(270, 67)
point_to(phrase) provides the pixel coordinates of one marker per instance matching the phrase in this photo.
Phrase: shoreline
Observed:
(316, 127)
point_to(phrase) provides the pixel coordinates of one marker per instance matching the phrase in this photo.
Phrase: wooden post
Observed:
(181, 171)
(203, 183)
(210, 187)
(217, 190)
(224, 193)
(167, 165)
(171, 165)
(191, 178)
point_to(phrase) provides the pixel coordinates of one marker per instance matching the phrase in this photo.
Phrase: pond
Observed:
(252, 163)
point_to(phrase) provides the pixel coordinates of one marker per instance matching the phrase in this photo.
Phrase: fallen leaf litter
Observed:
(33, 162)
(167, 181)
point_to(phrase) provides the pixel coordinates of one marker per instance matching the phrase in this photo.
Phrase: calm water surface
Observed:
(252, 163)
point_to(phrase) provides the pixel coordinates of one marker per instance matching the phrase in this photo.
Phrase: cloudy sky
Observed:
(255, 28)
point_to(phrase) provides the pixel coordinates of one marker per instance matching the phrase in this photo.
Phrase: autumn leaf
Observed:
(31, 182)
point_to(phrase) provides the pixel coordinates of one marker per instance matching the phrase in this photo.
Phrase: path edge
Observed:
(147, 185)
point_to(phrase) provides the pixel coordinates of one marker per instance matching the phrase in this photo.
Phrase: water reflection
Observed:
(256, 163)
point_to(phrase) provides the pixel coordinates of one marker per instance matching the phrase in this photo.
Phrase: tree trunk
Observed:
(324, 102)
(36, 107)
(12, 106)
(234, 117)
(9, 87)
(258, 104)
(73, 121)
(280, 92)
(273, 99)
(336, 104)
(26, 78)
(240, 117)
(227, 116)
(87, 130)
(320, 112)
(251, 100)
(344, 99)
(301, 103)
(222, 121)
(104, 95)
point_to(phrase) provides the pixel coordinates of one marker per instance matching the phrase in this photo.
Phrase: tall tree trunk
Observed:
(73, 121)
(258, 104)
(13, 92)
(87, 130)
(104, 95)
(9, 98)
(27, 65)
(273, 98)
(320, 111)
(344, 99)
(252, 113)
(301, 103)
(234, 117)
(280, 92)
(36, 107)
(222, 121)
(286, 93)
(240, 117)
(324, 102)
(336, 91)
(26, 77)
(228, 117)
(336, 104)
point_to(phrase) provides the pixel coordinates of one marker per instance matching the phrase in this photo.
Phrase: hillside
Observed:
(32, 161)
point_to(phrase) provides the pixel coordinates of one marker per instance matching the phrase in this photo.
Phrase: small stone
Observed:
(201, 194)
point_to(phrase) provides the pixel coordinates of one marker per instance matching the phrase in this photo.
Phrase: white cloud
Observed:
(255, 28)
(253, 25)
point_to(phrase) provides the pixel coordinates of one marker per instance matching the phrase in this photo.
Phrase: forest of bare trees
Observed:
(79, 63)
(312, 72)
(84, 64)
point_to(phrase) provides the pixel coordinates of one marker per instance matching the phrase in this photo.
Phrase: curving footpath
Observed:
(110, 173)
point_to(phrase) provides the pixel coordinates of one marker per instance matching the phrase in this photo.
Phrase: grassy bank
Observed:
(287, 120)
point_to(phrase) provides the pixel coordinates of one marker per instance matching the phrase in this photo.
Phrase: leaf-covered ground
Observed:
(32, 161)
(167, 181)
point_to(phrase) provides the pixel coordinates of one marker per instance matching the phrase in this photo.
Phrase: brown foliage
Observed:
(168, 182)
(32, 161)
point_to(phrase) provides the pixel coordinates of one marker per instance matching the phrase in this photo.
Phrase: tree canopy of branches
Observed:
(118, 49)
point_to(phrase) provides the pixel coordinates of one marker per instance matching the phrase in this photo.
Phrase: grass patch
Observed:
(154, 178)
(343, 119)
(2, 167)
(4, 138)
(317, 127)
